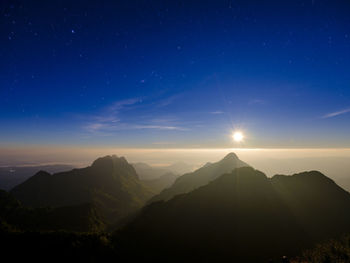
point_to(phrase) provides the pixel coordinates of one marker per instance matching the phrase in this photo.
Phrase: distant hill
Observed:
(200, 177)
(242, 216)
(80, 218)
(180, 168)
(111, 184)
(159, 184)
(10, 176)
(147, 172)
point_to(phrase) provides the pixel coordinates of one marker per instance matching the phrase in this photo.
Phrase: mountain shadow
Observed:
(200, 177)
(110, 184)
(56, 246)
(334, 250)
(79, 218)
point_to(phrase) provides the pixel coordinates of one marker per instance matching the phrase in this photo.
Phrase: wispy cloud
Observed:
(256, 102)
(217, 112)
(109, 120)
(336, 113)
(118, 105)
(163, 143)
(109, 117)
(159, 127)
(170, 100)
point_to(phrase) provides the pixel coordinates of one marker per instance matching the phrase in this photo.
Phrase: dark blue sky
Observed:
(175, 73)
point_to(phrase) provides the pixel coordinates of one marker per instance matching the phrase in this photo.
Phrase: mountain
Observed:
(319, 204)
(242, 216)
(344, 182)
(200, 177)
(80, 218)
(10, 176)
(111, 184)
(237, 217)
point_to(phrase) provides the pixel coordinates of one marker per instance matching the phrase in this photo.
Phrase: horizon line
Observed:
(46, 146)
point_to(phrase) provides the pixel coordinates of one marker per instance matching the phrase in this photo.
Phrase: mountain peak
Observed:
(42, 173)
(201, 177)
(307, 175)
(230, 156)
(108, 160)
(112, 165)
(110, 182)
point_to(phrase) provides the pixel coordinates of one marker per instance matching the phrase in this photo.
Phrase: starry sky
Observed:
(175, 74)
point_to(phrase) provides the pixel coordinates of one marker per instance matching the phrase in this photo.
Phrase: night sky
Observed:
(175, 74)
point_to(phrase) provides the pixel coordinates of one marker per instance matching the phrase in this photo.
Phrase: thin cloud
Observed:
(337, 113)
(257, 102)
(217, 112)
(160, 127)
(163, 143)
(109, 128)
(118, 105)
(170, 100)
(109, 121)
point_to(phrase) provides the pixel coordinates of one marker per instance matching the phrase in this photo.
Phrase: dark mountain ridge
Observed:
(242, 216)
(320, 205)
(10, 176)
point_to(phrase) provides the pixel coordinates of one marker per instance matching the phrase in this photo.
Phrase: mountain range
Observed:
(111, 184)
(200, 177)
(223, 211)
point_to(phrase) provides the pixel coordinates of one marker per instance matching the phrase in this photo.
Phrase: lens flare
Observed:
(238, 136)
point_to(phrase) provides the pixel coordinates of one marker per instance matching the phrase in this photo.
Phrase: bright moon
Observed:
(238, 136)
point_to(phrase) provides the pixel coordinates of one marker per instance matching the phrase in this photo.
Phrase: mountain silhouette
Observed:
(200, 177)
(110, 183)
(318, 203)
(242, 216)
(10, 176)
